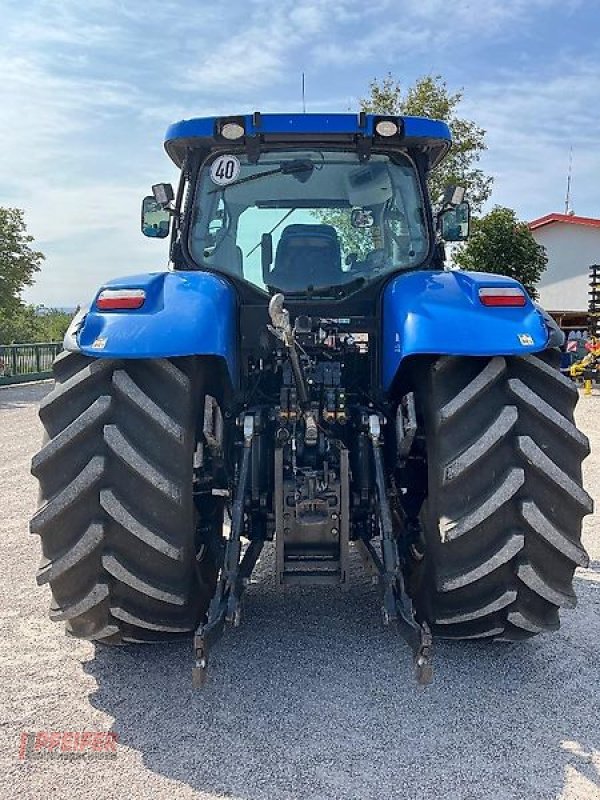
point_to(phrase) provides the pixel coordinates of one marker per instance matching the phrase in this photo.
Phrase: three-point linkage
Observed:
(312, 513)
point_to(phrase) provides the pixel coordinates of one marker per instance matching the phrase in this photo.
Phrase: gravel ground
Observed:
(309, 698)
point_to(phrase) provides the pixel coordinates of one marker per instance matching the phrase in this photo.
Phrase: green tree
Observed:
(18, 264)
(18, 261)
(53, 324)
(430, 97)
(502, 244)
(19, 325)
(30, 324)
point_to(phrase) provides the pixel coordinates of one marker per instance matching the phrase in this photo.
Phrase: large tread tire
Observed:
(502, 520)
(116, 516)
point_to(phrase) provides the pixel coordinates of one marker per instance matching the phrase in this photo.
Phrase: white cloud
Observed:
(275, 33)
(259, 55)
(405, 30)
(62, 157)
(531, 122)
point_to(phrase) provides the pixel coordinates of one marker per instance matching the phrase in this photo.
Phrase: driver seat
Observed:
(307, 255)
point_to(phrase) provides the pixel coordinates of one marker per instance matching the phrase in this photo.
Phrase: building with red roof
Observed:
(572, 244)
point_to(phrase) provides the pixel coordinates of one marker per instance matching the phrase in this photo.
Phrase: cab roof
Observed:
(431, 136)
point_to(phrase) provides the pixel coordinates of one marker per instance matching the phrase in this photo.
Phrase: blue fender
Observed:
(184, 314)
(441, 313)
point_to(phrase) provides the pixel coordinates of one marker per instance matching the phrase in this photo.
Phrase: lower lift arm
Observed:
(397, 604)
(226, 603)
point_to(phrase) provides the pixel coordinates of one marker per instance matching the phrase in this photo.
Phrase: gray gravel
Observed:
(309, 698)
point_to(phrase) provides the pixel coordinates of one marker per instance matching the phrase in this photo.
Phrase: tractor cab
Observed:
(309, 204)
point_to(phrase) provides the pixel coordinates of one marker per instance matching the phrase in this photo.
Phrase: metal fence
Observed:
(27, 362)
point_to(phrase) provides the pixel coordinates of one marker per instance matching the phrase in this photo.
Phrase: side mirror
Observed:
(455, 223)
(155, 219)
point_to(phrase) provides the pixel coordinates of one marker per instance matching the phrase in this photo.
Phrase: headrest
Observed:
(317, 237)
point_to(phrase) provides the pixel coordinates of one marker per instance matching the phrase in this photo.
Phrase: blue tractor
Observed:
(309, 375)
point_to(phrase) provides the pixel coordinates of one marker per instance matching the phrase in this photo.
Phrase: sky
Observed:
(89, 87)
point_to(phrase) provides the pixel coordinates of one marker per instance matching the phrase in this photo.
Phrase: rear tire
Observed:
(502, 520)
(117, 519)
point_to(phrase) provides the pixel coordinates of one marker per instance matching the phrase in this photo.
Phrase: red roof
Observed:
(569, 218)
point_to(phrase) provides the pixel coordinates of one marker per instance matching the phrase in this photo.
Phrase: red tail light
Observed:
(120, 299)
(502, 296)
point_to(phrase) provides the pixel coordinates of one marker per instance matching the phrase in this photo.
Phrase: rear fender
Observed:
(440, 313)
(184, 314)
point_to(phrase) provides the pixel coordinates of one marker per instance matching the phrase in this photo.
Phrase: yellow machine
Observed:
(588, 368)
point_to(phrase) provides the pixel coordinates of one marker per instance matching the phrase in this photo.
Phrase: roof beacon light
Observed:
(232, 131)
(120, 299)
(386, 127)
(502, 296)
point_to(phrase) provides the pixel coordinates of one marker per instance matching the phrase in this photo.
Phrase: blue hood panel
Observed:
(440, 313)
(185, 313)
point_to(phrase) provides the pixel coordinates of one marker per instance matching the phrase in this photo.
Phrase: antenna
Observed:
(303, 96)
(569, 173)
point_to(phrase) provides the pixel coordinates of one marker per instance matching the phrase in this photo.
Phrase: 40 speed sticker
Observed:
(224, 170)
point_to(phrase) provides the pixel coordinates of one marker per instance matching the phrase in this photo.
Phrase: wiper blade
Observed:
(290, 168)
